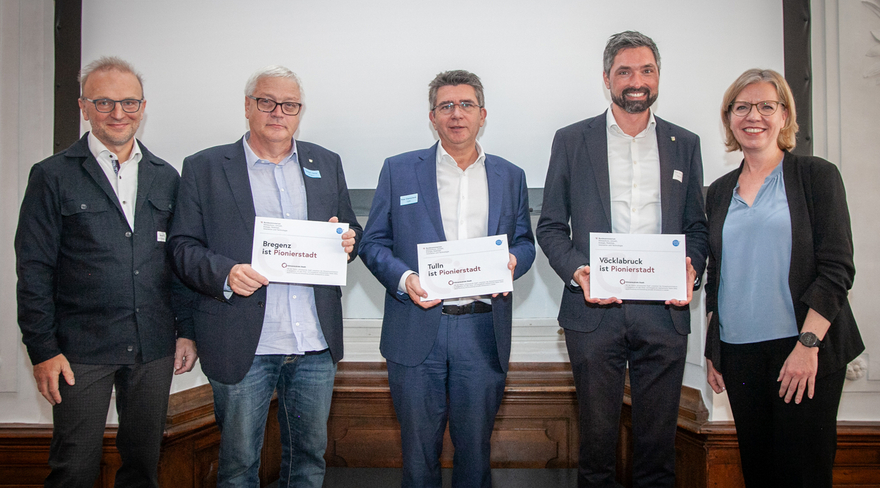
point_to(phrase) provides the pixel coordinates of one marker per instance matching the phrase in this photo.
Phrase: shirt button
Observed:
(128, 234)
(83, 206)
(136, 272)
(282, 189)
(287, 215)
(130, 348)
(293, 296)
(635, 162)
(297, 324)
(137, 310)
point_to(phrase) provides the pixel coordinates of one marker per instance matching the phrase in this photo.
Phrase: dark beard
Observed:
(634, 106)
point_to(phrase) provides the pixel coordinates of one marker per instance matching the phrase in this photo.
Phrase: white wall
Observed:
(846, 95)
(365, 68)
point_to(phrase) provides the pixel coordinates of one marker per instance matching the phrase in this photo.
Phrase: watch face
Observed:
(809, 339)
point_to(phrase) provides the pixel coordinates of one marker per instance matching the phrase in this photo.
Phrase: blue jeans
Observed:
(305, 387)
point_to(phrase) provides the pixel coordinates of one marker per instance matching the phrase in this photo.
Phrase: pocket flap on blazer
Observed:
(73, 207)
(163, 204)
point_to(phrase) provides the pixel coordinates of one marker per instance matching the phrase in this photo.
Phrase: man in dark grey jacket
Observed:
(95, 298)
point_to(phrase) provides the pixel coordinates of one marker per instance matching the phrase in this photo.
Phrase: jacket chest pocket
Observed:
(87, 221)
(162, 210)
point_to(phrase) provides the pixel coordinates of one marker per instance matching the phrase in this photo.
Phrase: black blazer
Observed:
(213, 230)
(89, 287)
(822, 269)
(577, 201)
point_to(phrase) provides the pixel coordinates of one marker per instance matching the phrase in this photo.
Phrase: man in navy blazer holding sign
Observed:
(625, 171)
(255, 336)
(457, 350)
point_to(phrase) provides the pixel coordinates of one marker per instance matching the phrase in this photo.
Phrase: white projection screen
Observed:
(365, 67)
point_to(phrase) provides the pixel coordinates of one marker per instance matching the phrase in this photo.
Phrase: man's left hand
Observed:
(347, 238)
(511, 265)
(691, 279)
(184, 355)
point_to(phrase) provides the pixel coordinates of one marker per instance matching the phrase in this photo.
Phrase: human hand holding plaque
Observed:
(301, 251)
(639, 267)
(464, 268)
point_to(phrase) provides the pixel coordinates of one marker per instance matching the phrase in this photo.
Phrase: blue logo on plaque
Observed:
(339, 231)
(675, 242)
(498, 242)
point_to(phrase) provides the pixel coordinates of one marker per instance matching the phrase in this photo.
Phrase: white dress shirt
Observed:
(634, 177)
(125, 182)
(464, 205)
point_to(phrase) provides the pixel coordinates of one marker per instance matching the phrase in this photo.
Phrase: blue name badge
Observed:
(409, 199)
(312, 173)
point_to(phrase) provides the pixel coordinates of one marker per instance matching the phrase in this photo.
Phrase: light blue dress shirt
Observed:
(754, 299)
(291, 324)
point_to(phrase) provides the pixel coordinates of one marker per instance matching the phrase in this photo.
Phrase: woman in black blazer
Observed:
(781, 330)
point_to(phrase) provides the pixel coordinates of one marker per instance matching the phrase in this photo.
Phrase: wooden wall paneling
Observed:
(536, 428)
(536, 425)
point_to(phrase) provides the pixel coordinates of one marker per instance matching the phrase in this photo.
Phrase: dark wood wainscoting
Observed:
(536, 428)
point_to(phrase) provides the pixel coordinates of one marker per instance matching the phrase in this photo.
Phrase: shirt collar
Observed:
(100, 151)
(252, 158)
(443, 157)
(612, 127)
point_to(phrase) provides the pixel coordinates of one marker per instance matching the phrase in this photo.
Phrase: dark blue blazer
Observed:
(88, 286)
(577, 201)
(213, 230)
(394, 230)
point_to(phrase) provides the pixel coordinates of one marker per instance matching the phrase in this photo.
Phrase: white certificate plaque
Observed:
(465, 268)
(300, 251)
(638, 266)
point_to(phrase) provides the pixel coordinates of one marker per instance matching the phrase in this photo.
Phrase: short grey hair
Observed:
(452, 78)
(626, 40)
(108, 63)
(271, 71)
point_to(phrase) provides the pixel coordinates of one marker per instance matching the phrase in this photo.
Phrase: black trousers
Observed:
(642, 335)
(79, 420)
(780, 444)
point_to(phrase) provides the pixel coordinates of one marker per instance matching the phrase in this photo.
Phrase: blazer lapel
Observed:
(426, 173)
(668, 151)
(307, 162)
(146, 174)
(235, 167)
(495, 180)
(94, 170)
(596, 139)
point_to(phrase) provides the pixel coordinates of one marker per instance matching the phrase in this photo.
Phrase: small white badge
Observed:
(677, 175)
(409, 199)
(160, 236)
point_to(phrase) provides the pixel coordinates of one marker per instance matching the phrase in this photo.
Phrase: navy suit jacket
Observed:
(89, 286)
(213, 230)
(395, 229)
(578, 191)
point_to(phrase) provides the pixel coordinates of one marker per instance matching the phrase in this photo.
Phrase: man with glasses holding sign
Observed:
(255, 336)
(95, 300)
(624, 172)
(449, 359)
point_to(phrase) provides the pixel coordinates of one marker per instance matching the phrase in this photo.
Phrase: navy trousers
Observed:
(462, 381)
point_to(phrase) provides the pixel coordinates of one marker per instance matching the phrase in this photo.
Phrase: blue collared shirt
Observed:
(754, 299)
(291, 324)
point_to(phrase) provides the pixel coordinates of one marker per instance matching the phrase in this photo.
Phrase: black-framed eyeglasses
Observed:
(268, 105)
(449, 107)
(106, 105)
(765, 107)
